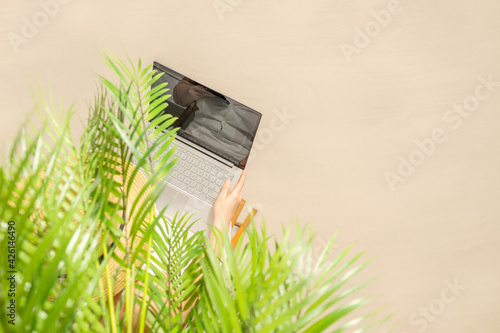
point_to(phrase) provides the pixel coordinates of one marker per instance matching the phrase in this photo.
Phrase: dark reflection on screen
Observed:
(208, 118)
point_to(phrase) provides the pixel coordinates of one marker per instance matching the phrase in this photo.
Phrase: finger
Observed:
(198, 89)
(239, 185)
(206, 94)
(202, 92)
(224, 190)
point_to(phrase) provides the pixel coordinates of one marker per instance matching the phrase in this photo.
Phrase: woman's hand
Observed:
(227, 204)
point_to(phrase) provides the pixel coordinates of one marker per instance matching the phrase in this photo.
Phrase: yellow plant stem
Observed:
(110, 293)
(129, 298)
(101, 286)
(146, 279)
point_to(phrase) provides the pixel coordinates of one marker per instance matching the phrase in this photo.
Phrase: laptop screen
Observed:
(209, 119)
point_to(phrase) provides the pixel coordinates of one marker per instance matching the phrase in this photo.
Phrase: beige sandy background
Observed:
(341, 111)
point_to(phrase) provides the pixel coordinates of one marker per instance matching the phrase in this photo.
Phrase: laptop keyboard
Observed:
(197, 176)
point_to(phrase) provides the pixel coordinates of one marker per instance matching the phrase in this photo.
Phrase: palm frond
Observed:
(260, 289)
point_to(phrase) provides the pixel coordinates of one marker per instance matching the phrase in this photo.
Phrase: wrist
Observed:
(219, 223)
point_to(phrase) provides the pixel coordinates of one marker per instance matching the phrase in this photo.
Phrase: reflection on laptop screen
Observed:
(209, 119)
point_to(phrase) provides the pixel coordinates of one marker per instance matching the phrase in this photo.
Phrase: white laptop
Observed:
(215, 138)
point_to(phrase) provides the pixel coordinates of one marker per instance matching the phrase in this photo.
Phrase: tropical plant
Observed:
(63, 205)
